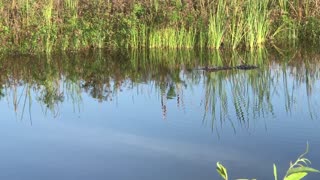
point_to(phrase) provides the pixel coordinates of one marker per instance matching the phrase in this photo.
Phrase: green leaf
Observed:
(296, 176)
(301, 169)
(222, 171)
(275, 174)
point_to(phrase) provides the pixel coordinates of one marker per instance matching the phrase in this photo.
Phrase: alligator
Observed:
(220, 68)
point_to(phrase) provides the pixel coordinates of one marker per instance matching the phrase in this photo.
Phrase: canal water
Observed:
(157, 115)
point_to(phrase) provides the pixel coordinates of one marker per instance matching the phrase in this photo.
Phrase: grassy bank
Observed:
(32, 26)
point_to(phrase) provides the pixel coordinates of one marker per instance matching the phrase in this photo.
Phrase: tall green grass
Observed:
(172, 38)
(217, 25)
(257, 23)
(49, 28)
(237, 25)
(31, 26)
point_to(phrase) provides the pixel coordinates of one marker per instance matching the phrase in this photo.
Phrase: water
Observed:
(152, 115)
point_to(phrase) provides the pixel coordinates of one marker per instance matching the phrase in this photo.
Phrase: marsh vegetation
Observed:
(31, 26)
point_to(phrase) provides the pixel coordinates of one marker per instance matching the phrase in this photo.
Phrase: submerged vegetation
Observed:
(31, 26)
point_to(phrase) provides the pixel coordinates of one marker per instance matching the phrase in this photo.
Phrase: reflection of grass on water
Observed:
(103, 75)
(250, 91)
(297, 170)
(251, 94)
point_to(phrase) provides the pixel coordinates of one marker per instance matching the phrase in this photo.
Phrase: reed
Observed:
(48, 27)
(31, 26)
(217, 25)
(172, 38)
(237, 25)
(257, 23)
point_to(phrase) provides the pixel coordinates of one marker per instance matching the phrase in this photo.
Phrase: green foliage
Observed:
(297, 170)
(217, 25)
(237, 26)
(33, 26)
(171, 38)
(275, 172)
(222, 171)
(310, 30)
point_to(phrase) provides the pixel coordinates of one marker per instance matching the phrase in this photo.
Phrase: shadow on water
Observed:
(245, 94)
